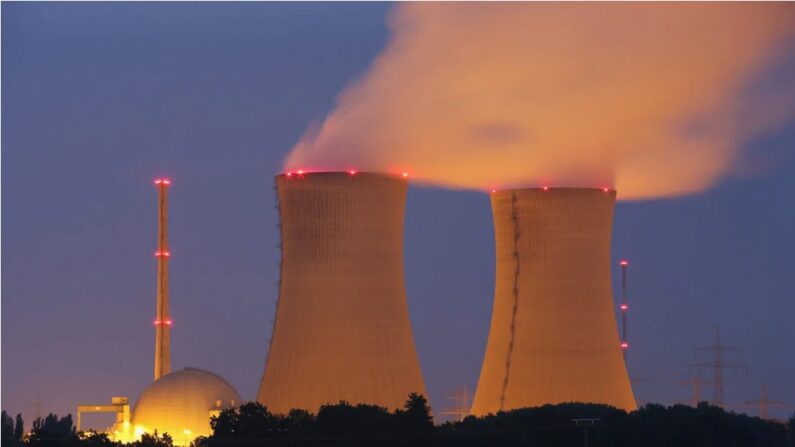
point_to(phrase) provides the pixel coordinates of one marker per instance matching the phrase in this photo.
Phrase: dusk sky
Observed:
(101, 98)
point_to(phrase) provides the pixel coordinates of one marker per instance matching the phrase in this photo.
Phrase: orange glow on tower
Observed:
(163, 319)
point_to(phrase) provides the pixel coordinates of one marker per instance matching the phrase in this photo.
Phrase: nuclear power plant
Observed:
(342, 329)
(553, 335)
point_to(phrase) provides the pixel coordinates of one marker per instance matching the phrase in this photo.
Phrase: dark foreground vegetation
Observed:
(347, 425)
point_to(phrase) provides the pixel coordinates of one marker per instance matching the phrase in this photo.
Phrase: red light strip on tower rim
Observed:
(159, 322)
(163, 253)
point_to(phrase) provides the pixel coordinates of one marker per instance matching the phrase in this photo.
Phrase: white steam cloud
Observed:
(656, 99)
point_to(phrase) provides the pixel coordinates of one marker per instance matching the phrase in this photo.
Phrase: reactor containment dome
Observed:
(181, 404)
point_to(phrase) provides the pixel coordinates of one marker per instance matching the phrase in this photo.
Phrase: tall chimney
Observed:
(342, 329)
(553, 335)
(163, 319)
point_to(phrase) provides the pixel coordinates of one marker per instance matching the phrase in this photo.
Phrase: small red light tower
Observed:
(624, 308)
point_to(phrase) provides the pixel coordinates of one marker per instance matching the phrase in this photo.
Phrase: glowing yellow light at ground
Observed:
(139, 431)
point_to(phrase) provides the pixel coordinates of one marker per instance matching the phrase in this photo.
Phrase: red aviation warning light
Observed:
(405, 175)
(624, 307)
(164, 254)
(624, 263)
(352, 172)
(545, 188)
(162, 181)
(605, 189)
(624, 345)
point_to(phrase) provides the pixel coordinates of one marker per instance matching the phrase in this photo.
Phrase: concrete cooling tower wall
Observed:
(553, 335)
(342, 329)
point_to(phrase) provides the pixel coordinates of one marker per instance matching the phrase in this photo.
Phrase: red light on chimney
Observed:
(158, 181)
(493, 189)
(300, 172)
(162, 253)
(168, 322)
(545, 188)
(624, 307)
(405, 175)
(166, 181)
(156, 322)
(352, 172)
(624, 262)
(605, 189)
(624, 345)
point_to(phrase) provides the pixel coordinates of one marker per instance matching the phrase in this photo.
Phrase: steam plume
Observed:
(656, 99)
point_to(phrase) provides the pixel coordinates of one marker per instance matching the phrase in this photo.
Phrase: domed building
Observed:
(181, 404)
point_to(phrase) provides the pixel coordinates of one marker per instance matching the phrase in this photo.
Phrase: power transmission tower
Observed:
(763, 404)
(460, 409)
(696, 383)
(718, 364)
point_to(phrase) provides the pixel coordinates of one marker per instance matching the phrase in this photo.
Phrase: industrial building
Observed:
(342, 329)
(553, 335)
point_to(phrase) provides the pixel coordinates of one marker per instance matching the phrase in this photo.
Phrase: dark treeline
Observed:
(53, 431)
(344, 424)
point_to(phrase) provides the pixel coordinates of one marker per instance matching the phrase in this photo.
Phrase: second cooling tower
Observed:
(342, 329)
(553, 335)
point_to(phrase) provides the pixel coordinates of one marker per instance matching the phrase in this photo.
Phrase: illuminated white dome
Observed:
(181, 404)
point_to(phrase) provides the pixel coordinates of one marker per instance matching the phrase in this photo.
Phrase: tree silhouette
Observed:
(53, 431)
(416, 414)
(92, 438)
(154, 440)
(12, 431)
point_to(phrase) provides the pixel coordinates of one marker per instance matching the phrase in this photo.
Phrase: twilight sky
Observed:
(99, 99)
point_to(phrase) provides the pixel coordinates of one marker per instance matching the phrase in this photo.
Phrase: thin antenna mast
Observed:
(624, 308)
(163, 319)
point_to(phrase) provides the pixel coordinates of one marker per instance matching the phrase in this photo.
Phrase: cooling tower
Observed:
(553, 335)
(342, 329)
